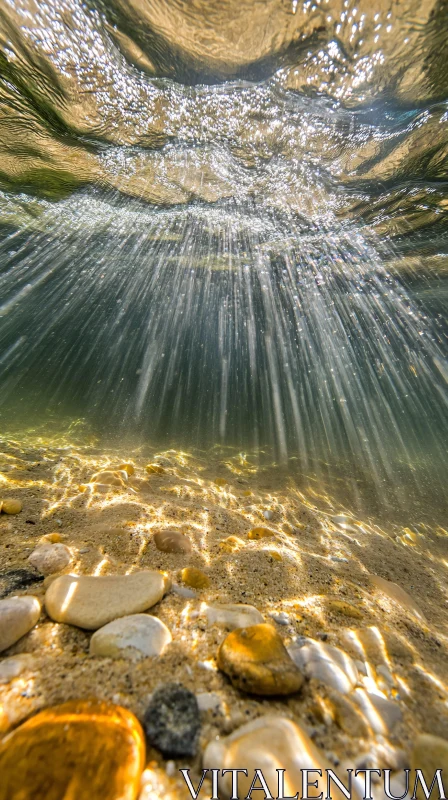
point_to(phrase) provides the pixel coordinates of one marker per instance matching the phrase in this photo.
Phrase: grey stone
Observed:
(172, 722)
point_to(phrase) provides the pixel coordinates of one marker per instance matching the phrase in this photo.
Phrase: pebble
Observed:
(17, 616)
(208, 701)
(172, 721)
(397, 595)
(231, 543)
(344, 608)
(13, 666)
(325, 663)
(14, 579)
(428, 754)
(339, 559)
(260, 533)
(268, 514)
(50, 558)
(11, 506)
(281, 619)
(183, 591)
(233, 615)
(382, 714)
(92, 601)
(269, 743)
(132, 637)
(155, 469)
(108, 478)
(172, 542)
(52, 538)
(83, 748)
(128, 468)
(256, 661)
(195, 577)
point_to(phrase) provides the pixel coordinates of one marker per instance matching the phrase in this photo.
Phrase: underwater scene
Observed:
(223, 399)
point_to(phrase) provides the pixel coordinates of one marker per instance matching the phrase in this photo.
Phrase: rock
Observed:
(397, 595)
(92, 601)
(347, 715)
(172, 722)
(268, 744)
(231, 543)
(17, 616)
(256, 661)
(429, 753)
(281, 619)
(14, 579)
(381, 714)
(260, 533)
(172, 542)
(268, 514)
(233, 615)
(108, 478)
(325, 663)
(52, 538)
(136, 636)
(182, 591)
(50, 558)
(208, 701)
(11, 506)
(221, 482)
(13, 666)
(128, 468)
(83, 748)
(155, 469)
(195, 578)
(344, 608)
(274, 554)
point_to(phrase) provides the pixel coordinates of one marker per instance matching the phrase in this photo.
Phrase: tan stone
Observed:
(195, 578)
(172, 542)
(92, 601)
(17, 616)
(81, 749)
(256, 661)
(133, 637)
(11, 506)
(49, 558)
(108, 478)
(233, 615)
(129, 468)
(397, 595)
(260, 533)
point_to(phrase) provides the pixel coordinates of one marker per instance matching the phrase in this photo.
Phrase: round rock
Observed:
(17, 616)
(172, 542)
(132, 637)
(172, 722)
(49, 558)
(260, 533)
(92, 601)
(83, 748)
(195, 578)
(256, 661)
(11, 506)
(233, 615)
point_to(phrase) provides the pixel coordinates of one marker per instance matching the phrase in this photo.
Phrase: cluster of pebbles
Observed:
(129, 647)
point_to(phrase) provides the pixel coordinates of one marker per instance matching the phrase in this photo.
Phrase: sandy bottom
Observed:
(293, 572)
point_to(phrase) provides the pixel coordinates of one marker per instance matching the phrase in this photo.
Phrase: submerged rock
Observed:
(92, 601)
(195, 578)
(136, 636)
(84, 748)
(17, 616)
(11, 506)
(256, 661)
(233, 615)
(397, 595)
(49, 558)
(325, 663)
(260, 533)
(172, 721)
(172, 542)
(155, 469)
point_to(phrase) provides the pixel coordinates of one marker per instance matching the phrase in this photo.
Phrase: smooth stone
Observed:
(221, 482)
(195, 578)
(325, 663)
(155, 469)
(344, 608)
(281, 619)
(382, 714)
(92, 601)
(183, 591)
(17, 616)
(256, 661)
(269, 743)
(397, 595)
(81, 749)
(172, 722)
(428, 754)
(52, 538)
(50, 558)
(13, 666)
(260, 533)
(233, 615)
(11, 506)
(132, 637)
(14, 579)
(172, 542)
(128, 468)
(208, 701)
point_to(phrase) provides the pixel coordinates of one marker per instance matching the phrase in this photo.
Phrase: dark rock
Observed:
(15, 579)
(172, 721)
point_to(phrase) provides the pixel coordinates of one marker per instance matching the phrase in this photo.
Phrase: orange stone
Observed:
(155, 469)
(221, 482)
(81, 749)
(231, 543)
(129, 468)
(12, 506)
(256, 661)
(195, 578)
(260, 533)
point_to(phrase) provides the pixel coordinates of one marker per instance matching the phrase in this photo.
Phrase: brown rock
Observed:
(172, 542)
(11, 506)
(195, 578)
(260, 533)
(155, 469)
(256, 661)
(84, 748)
